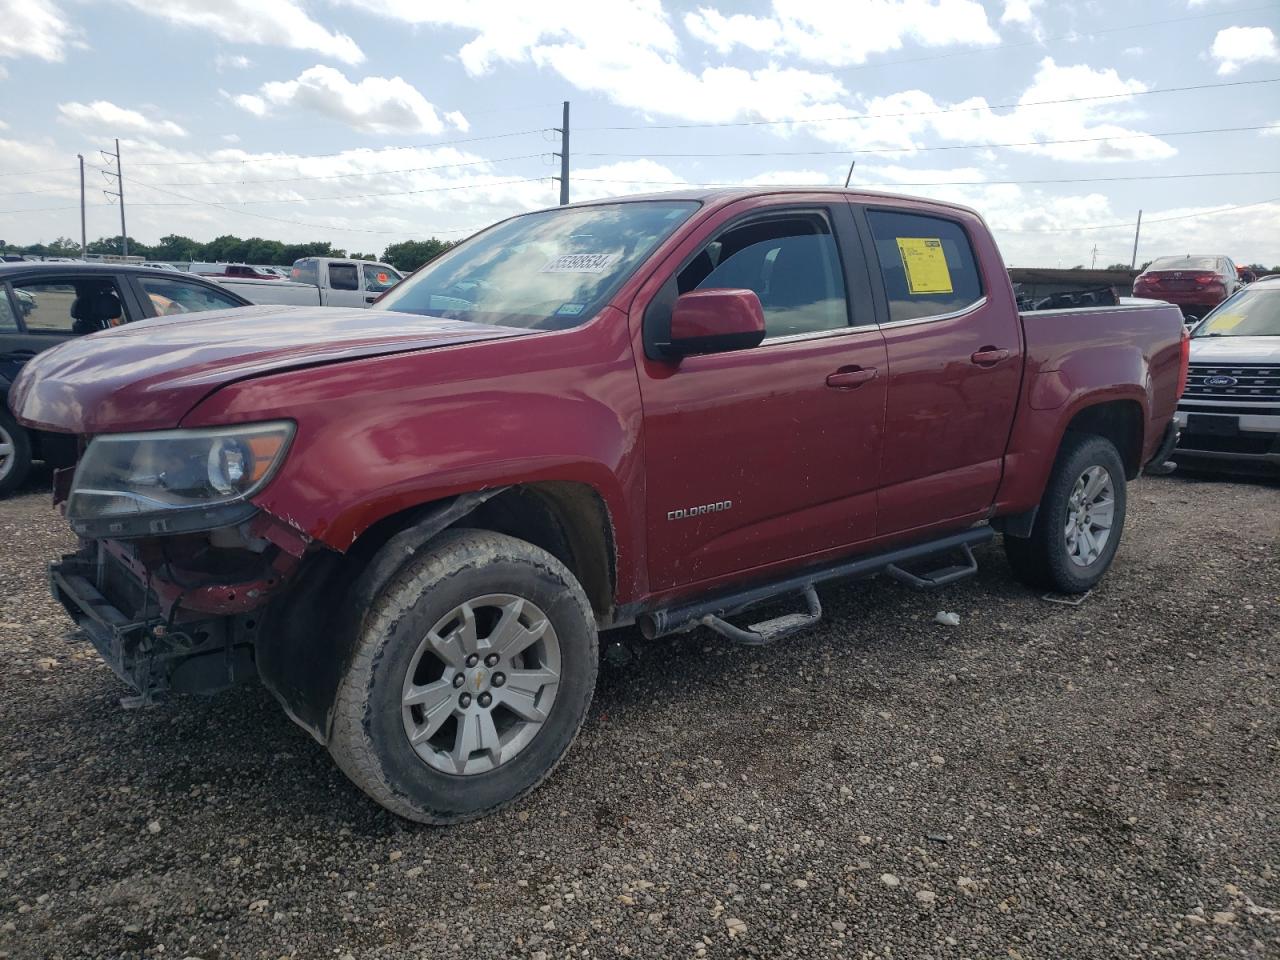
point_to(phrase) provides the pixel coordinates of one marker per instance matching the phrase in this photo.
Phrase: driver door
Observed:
(768, 454)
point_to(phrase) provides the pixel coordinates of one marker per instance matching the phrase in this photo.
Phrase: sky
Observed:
(368, 122)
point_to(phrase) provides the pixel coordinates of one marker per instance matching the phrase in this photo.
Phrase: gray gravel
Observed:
(1038, 782)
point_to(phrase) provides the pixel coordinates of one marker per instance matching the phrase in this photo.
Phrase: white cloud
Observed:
(1272, 131)
(511, 30)
(33, 28)
(374, 104)
(813, 30)
(280, 23)
(231, 61)
(1133, 51)
(106, 116)
(1236, 47)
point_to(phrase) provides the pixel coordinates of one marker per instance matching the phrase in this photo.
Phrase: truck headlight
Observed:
(173, 481)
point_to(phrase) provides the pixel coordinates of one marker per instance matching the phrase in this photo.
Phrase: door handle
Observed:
(18, 356)
(989, 356)
(849, 378)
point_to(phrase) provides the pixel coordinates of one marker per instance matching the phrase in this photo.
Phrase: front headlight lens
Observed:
(135, 474)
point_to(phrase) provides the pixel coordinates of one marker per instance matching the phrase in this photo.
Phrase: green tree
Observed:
(409, 255)
(177, 248)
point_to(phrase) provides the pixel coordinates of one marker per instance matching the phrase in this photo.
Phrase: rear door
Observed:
(769, 454)
(954, 346)
(51, 308)
(343, 281)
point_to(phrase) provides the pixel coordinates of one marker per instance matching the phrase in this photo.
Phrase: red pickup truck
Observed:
(411, 522)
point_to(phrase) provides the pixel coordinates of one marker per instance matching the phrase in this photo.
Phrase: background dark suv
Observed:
(43, 304)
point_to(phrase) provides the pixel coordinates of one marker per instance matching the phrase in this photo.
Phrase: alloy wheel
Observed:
(481, 684)
(1090, 515)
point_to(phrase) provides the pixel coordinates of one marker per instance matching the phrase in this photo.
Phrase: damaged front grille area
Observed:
(144, 646)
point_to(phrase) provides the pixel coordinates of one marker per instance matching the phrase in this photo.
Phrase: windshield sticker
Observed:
(570, 309)
(925, 264)
(1224, 322)
(581, 263)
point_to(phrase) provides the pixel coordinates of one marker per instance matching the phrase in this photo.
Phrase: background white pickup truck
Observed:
(321, 281)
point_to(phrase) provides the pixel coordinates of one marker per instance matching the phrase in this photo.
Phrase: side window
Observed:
(8, 320)
(344, 276)
(305, 271)
(69, 306)
(790, 262)
(927, 264)
(378, 278)
(170, 297)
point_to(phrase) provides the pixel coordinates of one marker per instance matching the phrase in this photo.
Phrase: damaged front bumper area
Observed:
(167, 625)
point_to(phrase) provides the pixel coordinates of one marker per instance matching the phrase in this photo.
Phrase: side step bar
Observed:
(712, 613)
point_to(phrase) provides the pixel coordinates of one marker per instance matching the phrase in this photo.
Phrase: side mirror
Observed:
(714, 321)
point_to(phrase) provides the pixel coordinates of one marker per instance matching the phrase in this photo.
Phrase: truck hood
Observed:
(149, 374)
(1235, 350)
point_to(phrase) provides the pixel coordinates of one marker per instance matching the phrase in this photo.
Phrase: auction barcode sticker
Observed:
(925, 263)
(581, 263)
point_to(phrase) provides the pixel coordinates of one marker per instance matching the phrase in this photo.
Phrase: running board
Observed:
(938, 578)
(767, 631)
(713, 613)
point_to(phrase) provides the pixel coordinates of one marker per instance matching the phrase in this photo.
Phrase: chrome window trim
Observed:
(934, 318)
(819, 334)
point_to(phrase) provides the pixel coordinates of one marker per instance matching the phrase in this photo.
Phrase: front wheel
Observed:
(1080, 520)
(472, 673)
(15, 453)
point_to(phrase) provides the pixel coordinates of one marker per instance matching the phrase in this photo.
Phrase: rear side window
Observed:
(927, 264)
(344, 276)
(304, 271)
(69, 306)
(790, 262)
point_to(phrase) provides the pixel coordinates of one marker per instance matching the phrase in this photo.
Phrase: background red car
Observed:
(1196, 284)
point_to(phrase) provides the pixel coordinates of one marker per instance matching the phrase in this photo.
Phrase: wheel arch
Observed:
(306, 644)
(1119, 421)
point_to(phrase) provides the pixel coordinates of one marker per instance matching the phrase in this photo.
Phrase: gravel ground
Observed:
(1039, 782)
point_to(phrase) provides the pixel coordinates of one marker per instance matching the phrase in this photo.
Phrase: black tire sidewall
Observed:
(1078, 456)
(21, 453)
(450, 796)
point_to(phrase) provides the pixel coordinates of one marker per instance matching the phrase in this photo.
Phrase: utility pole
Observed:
(1093, 264)
(84, 248)
(119, 194)
(1136, 230)
(849, 176)
(564, 157)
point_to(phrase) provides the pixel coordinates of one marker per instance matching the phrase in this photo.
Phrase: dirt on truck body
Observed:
(412, 522)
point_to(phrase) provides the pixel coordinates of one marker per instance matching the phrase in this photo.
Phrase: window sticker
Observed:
(1224, 322)
(581, 263)
(925, 264)
(569, 309)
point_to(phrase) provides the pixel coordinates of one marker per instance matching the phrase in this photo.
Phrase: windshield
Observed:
(1250, 313)
(542, 271)
(1183, 263)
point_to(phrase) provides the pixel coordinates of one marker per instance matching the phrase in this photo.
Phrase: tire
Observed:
(417, 627)
(1051, 558)
(15, 453)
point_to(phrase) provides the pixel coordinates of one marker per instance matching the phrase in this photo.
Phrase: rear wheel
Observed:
(1080, 520)
(15, 453)
(472, 673)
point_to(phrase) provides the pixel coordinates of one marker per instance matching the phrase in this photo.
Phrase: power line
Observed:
(318, 226)
(1129, 223)
(927, 113)
(941, 183)
(343, 176)
(957, 146)
(321, 156)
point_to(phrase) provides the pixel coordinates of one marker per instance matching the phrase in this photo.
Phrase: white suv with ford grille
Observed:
(1230, 412)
